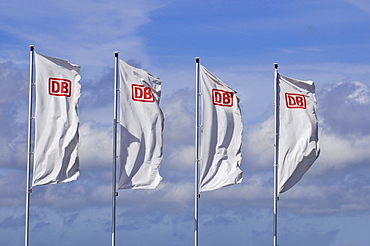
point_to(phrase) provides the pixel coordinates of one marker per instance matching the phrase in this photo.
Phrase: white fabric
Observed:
(56, 135)
(298, 145)
(222, 134)
(141, 121)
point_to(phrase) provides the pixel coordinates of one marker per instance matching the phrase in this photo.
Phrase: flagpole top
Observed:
(32, 47)
(197, 59)
(116, 54)
(276, 65)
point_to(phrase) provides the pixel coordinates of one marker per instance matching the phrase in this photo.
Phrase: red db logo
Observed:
(60, 87)
(222, 98)
(141, 93)
(295, 100)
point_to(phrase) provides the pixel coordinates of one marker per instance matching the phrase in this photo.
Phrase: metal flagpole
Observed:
(30, 153)
(114, 173)
(197, 152)
(276, 150)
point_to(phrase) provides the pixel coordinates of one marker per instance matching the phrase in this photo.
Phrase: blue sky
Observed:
(327, 41)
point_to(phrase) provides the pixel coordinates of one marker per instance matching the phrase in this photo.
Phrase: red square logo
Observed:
(222, 98)
(295, 100)
(60, 87)
(140, 93)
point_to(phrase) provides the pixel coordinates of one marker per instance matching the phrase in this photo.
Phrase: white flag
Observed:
(298, 145)
(222, 134)
(56, 135)
(141, 121)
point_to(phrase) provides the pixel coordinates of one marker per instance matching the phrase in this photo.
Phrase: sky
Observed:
(327, 41)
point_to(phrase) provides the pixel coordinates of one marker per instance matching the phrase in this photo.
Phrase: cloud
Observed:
(338, 152)
(345, 108)
(179, 113)
(69, 219)
(96, 145)
(258, 147)
(240, 48)
(95, 29)
(12, 222)
(97, 92)
(307, 234)
(218, 219)
(182, 158)
(13, 111)
(360, 4)
(334, 183)
(14, 186)
(360, 95)
(41, 225)
(177, 196)
(342, 157)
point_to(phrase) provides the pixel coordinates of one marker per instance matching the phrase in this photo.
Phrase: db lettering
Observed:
(141, 93)
(295, 100)
(60, 87)
(222, 98)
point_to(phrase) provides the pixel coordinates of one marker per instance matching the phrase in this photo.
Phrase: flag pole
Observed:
(29, 147)
(114, 173)
(197, 152)
(276, 151)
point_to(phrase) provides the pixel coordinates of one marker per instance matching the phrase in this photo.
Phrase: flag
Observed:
(222, 134)
(141, 127)
(298, 144)
(56, 121)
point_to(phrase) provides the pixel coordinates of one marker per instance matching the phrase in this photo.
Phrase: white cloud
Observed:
(240, 49)
(333, 198)
(96, 145)
(255, 190)
(182, 158)
(338, 152)
(178, 196)
(361, 94)
(343, 156)
(259, 140)
(83, 32)
(179, 120)
(343, 108)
